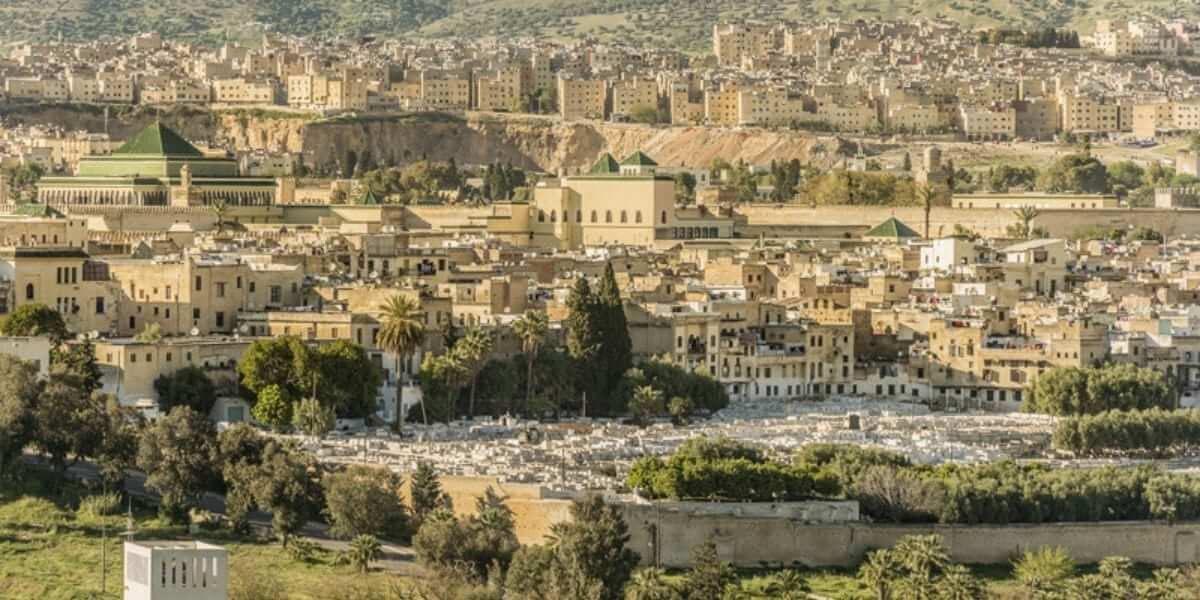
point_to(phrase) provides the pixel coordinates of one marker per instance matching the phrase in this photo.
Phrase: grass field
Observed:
(49, 552)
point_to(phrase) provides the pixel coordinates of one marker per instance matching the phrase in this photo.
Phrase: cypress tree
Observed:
(616, 351)
(584, 340)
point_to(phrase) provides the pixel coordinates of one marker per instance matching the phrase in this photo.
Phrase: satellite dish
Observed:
(194, 332)
(244, 328)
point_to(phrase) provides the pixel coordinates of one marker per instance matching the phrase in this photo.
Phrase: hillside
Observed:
(684, 24)
(525, 141)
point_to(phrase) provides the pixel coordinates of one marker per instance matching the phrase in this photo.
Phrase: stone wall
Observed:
(754, 535)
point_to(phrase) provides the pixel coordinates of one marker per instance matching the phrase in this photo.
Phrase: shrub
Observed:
(99, 505)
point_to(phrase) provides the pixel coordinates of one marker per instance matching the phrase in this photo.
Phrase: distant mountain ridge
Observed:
(682, 24)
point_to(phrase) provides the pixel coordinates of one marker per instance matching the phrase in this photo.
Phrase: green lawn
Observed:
(49, 553)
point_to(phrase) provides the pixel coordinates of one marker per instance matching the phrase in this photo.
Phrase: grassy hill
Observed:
(684, 24)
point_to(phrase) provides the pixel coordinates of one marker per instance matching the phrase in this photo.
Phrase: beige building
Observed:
(988, 122)
(580, 98)
(442, 89)
(625, 203)
(65, 279)
(1038, 200)
(243, 91)
(634, 93)
(1153, 118)
(499, 89)
(1084, 113)
(734, 41)
(129, 368)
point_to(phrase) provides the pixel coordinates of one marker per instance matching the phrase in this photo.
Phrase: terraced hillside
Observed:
(683, 24)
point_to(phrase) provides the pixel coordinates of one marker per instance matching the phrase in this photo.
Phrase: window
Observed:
(220, 319)
(238, 282)
(541, 216)
(99, 305)
(132, 322)
(29, 291)
(608, 216)
(554, 216)
(198, 283)
(624, 217)
(276, 294)
(593, 216)
(578, 216)
(637, 217)
(220, 289)
(663, 218)
(196, 313)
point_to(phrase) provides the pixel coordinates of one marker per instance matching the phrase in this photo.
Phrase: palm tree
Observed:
(646, 403)
(923, 555)
(402, 333)
(788, 585)
(363, 550)
(473, 351)
(879, 571)
(926, 195)
(1026, 214)
(957, 583)
(531, 328)
(1044, 570)
(650, 584)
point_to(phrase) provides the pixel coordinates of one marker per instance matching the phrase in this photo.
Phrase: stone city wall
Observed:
(809, 533)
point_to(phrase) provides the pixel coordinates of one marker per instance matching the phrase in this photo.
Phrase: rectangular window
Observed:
(276, 294)
(195, 313)
(99, 305)
(198, 283)
(220, 319)
(220, 289)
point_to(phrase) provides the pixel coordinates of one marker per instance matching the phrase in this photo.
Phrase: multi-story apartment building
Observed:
(734, 41)
(633, 93)
(582, 98)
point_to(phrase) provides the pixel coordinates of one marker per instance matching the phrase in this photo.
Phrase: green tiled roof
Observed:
(892, 228)
(605, 165)
(639, 159)
(369, 198)
(35, 209)
(158, 139)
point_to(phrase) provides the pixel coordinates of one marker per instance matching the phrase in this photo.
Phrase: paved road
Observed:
(396, 558)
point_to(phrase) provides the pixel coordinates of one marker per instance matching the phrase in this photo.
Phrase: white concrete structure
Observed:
(176, 571)
(32, 349)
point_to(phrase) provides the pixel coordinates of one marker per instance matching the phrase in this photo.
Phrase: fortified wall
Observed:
(823, 533)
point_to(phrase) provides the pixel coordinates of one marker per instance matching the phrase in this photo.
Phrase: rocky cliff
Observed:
(337, 144)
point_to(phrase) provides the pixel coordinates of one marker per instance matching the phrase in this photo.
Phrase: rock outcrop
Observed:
(338, 144)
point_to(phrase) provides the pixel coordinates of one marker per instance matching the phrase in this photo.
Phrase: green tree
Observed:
(927, 197)
(116, 448)
(365, 500)
(19, 390)
(685, 187)
(709, 575)
(78, 359)
(35, 319)
(1044, 571)
(957, 583)
(880, 572)
(647, 403)
(272, 408)
(239, 450)
(440, 378)
(474, 350)
(286, 486)
(650, 583)
(1024, 226)
(346, 378)
(68, 424)
(364, 550)
(189, 386)
(788, 585)
(426, 492)
(647, 115)
(313, 419)
(531, 328)
(680, 410)
(284, 362)
(402, 334)
(1077, 173)
(616, 348)
(176, 453)
(594, 545)
(1074, 391)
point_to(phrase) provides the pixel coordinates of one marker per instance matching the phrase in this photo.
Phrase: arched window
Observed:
(637, 217)
(624, 217)
(541, 216)
(608, 216)
(593, 216)
(663, 218)
(29, 291)
(554, 216)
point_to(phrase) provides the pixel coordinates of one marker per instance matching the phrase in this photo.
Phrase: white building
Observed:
(176, 571)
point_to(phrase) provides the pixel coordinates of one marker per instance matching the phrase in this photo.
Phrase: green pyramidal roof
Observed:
(158, 139)
(369, 198)
(892, 228)
(639, 159)
(605, 165)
